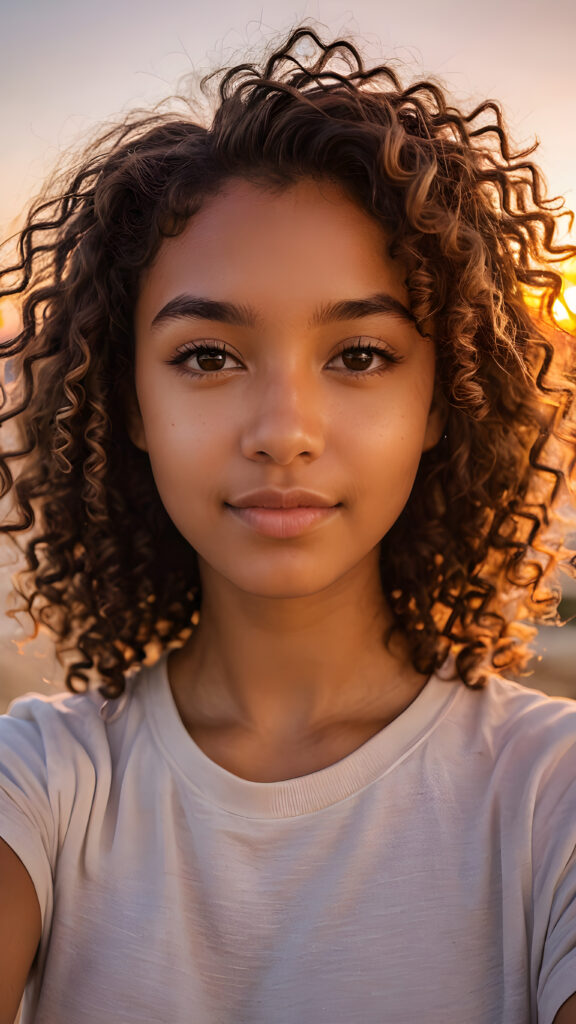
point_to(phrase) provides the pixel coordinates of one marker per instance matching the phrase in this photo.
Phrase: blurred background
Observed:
(69, 66)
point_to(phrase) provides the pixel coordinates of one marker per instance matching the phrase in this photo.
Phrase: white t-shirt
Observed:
(428, 876)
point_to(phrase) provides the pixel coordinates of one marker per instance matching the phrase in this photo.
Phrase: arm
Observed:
(20, 930)
(567, 1012)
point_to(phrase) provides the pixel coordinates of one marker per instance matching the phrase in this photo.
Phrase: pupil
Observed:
(360, 359)
(212, 360)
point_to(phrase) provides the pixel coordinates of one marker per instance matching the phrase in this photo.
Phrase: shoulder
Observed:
(519, 744)
(57, 756)
(75, 714)
(506, 717)
(63, 735)
(523, 744)
(63, 710)
(52, 727)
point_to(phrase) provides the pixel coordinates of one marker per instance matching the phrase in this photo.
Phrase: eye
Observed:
(359, 358)
(207, 357)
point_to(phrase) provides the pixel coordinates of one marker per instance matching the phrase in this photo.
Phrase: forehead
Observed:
(281, 251)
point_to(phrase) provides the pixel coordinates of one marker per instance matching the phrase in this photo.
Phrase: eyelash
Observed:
(203, 348)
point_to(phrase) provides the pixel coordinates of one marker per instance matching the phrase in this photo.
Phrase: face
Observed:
(275, 353)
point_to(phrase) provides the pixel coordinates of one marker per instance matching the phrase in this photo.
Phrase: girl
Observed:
(295, 446)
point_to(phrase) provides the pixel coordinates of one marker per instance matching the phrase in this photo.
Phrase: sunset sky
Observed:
(68, 65)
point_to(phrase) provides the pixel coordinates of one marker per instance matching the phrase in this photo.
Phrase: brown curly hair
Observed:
(470, 563)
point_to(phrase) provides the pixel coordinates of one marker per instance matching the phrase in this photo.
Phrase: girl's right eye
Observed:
(210, 359)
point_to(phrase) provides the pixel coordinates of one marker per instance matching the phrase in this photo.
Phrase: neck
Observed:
(293, 666)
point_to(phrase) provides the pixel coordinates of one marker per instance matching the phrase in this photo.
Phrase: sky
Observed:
(68, 65)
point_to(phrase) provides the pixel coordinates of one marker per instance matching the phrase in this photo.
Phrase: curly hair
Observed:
(470, 564)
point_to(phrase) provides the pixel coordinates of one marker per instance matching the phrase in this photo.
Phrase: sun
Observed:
(564, 308)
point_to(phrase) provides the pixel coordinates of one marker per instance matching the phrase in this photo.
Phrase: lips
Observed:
(282, 514)
(282, 499)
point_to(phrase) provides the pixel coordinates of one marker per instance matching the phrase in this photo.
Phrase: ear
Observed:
(437, 420)
(133, 418)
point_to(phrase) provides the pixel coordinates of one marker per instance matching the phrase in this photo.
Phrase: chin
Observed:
(280, 585)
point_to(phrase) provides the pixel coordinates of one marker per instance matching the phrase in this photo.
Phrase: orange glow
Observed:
(9, 319)
(564, 309)
(570, 298)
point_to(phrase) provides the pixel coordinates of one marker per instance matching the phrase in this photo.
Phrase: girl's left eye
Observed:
(210, 359)
(359, 357)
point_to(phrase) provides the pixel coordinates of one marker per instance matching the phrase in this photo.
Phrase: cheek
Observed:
(183, 448)
(390, 436)
(384, 456)
(173, 422)
(182, 455)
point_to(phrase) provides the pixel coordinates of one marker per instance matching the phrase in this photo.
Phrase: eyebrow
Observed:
(194, 307)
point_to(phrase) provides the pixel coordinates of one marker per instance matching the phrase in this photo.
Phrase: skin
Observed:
(20, 929)
(567, 1013)
(287, 671)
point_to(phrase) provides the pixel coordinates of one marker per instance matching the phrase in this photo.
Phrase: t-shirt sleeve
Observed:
(27, 822)
(555, 880)
(557, 980)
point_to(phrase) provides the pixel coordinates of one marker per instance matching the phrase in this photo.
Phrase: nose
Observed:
(285, 421)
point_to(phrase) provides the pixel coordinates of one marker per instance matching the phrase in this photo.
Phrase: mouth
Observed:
(283, 523)
(271, 498)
